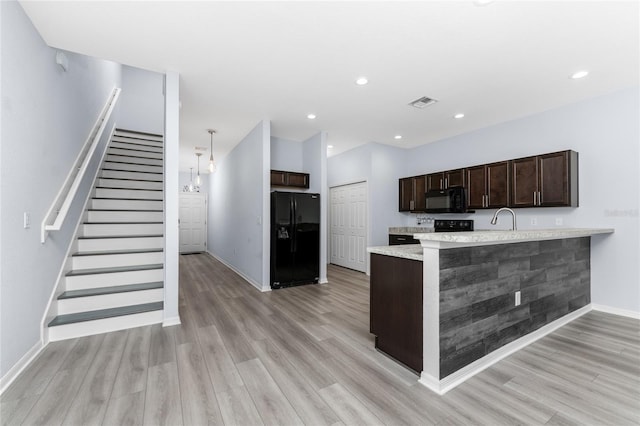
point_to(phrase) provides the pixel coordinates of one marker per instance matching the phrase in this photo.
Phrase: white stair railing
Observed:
(57, 213)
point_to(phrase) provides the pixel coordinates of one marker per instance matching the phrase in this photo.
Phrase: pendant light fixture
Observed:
(191, 187)
(212, 163)
(198, 179)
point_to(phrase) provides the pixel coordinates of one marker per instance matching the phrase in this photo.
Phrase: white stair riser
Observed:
(138, 137)
(132, 167)
(127, 159)
(100, 244)
(97, 204)
(88, 328)
(82, 282)
(121, 229)
(113, 260)
(138, 194)
(124, 216)
(134, 145)
(117, 174)
(134, 153)
(108, 301)
(129, 184)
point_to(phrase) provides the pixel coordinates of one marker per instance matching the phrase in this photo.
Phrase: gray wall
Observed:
(286, 155)
(47, 115)
(604, 131)
(381, 166)
(238, 195)
(142, 106)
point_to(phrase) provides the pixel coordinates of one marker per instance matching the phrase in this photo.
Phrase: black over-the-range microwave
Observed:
(450, 200)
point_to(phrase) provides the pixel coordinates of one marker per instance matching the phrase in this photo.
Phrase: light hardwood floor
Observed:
(304, 355)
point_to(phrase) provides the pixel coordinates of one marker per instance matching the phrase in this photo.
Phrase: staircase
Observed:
(116, 276)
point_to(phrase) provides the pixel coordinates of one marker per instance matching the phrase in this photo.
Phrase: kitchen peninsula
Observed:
(479, 296)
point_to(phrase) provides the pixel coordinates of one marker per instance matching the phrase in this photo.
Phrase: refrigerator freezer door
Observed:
(307, 237)
(282, 238)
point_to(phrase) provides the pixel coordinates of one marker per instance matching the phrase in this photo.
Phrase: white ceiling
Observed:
(241, 62)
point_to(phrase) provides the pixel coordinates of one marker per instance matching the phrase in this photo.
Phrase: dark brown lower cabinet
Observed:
(396, 308)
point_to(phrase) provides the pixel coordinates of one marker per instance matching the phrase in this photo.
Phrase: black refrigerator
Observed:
(295, 238)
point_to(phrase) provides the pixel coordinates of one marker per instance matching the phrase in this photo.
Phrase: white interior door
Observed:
(349, 226)
(193, 222)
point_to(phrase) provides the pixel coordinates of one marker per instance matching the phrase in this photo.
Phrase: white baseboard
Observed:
(616, 311)
(19, 366)
(244, 277)
(168, 322)
(451, 381)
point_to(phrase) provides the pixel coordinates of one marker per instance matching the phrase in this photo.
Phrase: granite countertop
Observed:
(408, 251)
(498, 237)
(462, 239)
(409, 230)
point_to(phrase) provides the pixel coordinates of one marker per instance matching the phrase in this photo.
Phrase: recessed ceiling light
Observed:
(329, 146)
(460, 115)
(311, 116)
(397, 137)
(362, 81)
(579, 74)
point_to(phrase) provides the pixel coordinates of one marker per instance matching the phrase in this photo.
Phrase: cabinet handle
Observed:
(539, 199)
(534, 198)
(441, 187)
(411, 204)
(401, 239)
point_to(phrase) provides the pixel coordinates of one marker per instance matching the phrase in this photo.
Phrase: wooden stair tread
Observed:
(108, 252)
(122, 223)
(122, 236)
(128, 189)
(105, 313)
(137, 132)
(114, 269)
(100, 291)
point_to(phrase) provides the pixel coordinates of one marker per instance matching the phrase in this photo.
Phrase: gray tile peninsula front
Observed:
(470, 281)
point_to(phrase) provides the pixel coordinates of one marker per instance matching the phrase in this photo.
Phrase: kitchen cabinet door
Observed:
(435, 181)
(444, 180)
(299, 180)
(476, 187)
(405, 194)
(396, 308)
(524, 182)
(419, 188)
(411, 194)
(497, 185)
(558, 179)
(547, 180)
(278, 178)
(454, 178)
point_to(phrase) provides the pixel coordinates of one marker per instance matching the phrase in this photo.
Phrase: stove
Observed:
(446, 225)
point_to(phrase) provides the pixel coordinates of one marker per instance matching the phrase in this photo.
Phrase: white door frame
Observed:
(368, 216)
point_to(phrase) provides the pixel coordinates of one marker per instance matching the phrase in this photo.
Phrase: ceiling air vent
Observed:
(422, 102)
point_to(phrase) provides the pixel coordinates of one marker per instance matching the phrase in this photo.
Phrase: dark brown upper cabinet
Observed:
(488, 185)
(411, 194)
(444, 180)
(291, 179)
(549, 180)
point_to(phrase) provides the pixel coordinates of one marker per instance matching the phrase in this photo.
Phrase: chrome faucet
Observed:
(504, 209)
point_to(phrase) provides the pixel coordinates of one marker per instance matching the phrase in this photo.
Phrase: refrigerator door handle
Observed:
(295, 225)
